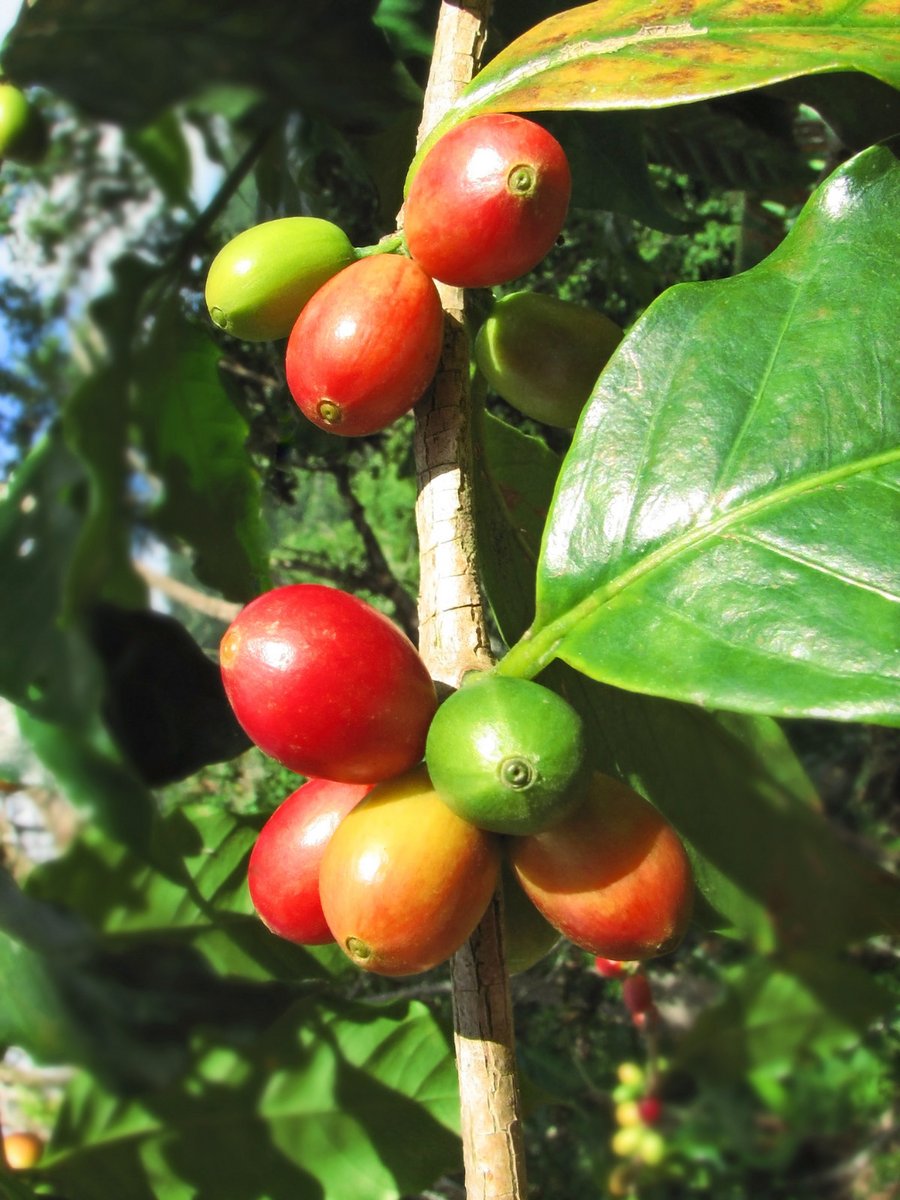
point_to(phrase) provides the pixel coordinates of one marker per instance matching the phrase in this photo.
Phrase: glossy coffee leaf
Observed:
(638, 54)
(724, 528)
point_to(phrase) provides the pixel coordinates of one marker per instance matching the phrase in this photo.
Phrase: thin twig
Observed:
(386, 581)
(453, 639)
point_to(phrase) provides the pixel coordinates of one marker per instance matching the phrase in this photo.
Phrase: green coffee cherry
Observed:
(507, 755)
(261, 279)
(23, 131)
(542, 355)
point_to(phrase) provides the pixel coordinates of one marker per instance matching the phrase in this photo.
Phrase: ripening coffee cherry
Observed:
(613, 876)
(630, 1075)
(609, 968)
(260, 281)
(507, 754)
(283, 872)
(24, 137)
(625, 1141)
(542, 355)
(22, 1150)
(327, 685)
(637, 993)
(651, 1148)
(627, 1113)
(366, 347)
(488, 201)
(650, 1109)
(404, 881)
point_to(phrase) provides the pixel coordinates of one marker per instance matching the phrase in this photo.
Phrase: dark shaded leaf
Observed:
(195, 442)
(128, 1013)
(164, 701)
(46, 669)
(96, 55)
(325, 1106)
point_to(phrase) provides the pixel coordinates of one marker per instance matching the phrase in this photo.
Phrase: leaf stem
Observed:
(394, 244)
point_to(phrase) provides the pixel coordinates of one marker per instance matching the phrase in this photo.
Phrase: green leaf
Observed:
(195, 442)
(126, 1015)
(12, 1188)
(725, 524)
(32, 1014)
(162, 148)
(324, 1107)
(45, 668)
(774, 1014)
(766, 863)
(637, 54)
(515, 476)
(95, 419)
(608, 159)
(93, 779)
(201, 899)
(95, 54)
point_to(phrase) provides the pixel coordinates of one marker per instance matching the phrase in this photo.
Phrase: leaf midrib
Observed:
(537, 650)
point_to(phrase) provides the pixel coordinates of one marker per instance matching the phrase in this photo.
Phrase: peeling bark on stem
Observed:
(453, 639)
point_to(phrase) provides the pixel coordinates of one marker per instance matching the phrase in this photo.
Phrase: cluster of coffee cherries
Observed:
(364, 327)
(413, 813)
(639, 1112)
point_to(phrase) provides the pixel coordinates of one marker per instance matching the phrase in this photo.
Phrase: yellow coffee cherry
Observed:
(628, 1114)
(651, 1148)
(626, 1142)
(630, 1074)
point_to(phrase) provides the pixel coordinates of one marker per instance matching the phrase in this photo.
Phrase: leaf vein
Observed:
(728, 463)
(793, 555)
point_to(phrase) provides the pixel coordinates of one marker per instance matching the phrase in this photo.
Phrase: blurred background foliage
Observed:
(157, 476)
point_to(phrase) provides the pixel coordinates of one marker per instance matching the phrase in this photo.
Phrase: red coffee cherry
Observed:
(650, 1109)
(488, 201)
(283, 872)
(327, 685)
(366, 346)
(609, 968)
(637, 993)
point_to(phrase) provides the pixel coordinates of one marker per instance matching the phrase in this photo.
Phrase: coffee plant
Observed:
(449, 551)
